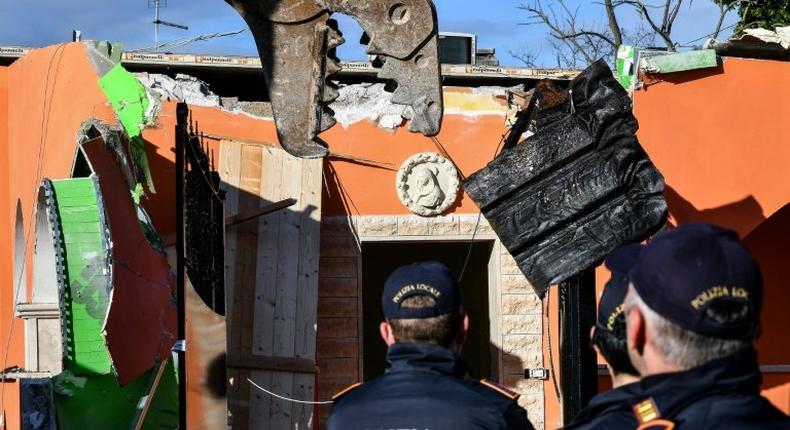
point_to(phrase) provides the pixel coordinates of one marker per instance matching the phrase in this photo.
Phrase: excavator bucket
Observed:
(296, 40)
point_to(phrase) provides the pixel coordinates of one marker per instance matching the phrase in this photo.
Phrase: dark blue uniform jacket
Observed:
(424, 389)
(723, 394)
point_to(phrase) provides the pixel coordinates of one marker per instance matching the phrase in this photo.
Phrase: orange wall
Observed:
(10, 397)
(721, 139)
(361, 190)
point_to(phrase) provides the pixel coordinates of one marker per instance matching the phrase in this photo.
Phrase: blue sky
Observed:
(496, 22)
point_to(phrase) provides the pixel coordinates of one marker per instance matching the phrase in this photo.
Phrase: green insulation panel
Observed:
(97, 402)
(86, 294)
(681, 61)
(130, 102)
(128, 98)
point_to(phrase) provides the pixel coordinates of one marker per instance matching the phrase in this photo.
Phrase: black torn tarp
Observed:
(581, 186)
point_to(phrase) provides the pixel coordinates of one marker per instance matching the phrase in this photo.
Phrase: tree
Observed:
(577, 43)
(767, 14)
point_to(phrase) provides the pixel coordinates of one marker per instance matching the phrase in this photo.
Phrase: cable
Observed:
(287, 399)
(551, 355)
(186, 41)
(480, 215)
(42, 143)
(688, 44)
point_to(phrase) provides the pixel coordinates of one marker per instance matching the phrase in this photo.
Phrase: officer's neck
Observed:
(619, 379)
(653, 362)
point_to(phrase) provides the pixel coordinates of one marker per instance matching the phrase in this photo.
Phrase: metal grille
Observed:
(204, 222)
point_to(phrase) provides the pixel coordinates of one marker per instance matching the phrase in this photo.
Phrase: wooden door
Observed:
(272, 284)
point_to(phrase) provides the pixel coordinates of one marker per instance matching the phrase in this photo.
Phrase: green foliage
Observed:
(767, 14)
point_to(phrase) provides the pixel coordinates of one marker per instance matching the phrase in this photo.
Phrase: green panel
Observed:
(626, 57)
(78, 215)
(86, 298)
(84, 201)
(680, 61)
(130, 102)
(128, 98)
(82, 227)
(97, 402)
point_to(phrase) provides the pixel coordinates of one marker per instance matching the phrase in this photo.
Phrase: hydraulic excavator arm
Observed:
(296, 40)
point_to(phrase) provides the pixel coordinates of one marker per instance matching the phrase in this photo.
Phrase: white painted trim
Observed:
(436, 238)
(38, 310)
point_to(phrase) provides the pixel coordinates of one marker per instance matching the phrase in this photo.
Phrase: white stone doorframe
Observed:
(515, 312)
(494, 304)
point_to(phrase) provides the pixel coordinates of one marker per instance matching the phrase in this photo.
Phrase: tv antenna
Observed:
(156, 4)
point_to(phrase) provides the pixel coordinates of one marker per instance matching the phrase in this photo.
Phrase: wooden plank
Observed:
(230, 170)
(307, 292)
(230, 173)
(246, 257)
(287, 284)
(278, 364)
(234, 220)
(266, 282)
(257, 213)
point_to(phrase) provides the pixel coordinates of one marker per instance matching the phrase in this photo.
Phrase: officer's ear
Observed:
(385, 329)
(636, 330)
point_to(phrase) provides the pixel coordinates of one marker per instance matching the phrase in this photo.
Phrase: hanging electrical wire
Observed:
(186, 41)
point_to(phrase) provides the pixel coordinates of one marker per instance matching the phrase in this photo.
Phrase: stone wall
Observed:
(515, 309)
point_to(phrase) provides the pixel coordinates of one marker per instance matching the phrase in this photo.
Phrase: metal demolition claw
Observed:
(296, 41)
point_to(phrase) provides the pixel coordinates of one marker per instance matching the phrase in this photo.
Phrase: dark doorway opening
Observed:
(379, 259)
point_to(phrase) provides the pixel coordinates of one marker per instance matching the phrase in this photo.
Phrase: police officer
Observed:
(424, 386)
(692, 316)
(611, 409)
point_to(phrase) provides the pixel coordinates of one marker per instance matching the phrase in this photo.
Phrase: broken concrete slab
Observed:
(183, 88)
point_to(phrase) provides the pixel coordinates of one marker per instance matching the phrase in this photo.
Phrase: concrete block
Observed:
(521, 324)
(377, 226)
(516, 284)
(509, 266)
(445, 225)
(467, 225)
(520, 343)
(413, 226)
(520, 304)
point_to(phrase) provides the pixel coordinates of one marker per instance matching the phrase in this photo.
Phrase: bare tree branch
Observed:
(614, 26)
(575, 41)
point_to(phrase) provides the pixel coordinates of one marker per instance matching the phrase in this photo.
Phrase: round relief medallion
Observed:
(428, 184)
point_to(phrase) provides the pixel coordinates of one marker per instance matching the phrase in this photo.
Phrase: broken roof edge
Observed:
(349, 68)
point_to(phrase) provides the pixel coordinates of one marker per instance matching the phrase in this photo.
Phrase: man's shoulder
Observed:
(735, 411)
(607, 410)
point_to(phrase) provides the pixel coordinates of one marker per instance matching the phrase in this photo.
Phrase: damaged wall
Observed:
(474, 124)
(54, 91)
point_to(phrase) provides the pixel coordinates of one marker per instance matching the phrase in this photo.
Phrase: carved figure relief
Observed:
(428, 184)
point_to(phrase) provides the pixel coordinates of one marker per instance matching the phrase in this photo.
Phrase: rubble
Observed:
(184, 88)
